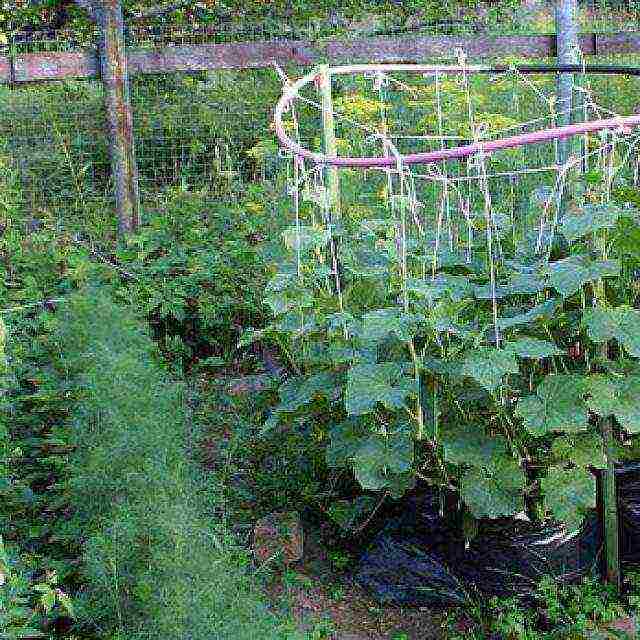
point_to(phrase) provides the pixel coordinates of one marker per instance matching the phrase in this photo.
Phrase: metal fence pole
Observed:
(568, 52)
(610, 506)
(115, 79)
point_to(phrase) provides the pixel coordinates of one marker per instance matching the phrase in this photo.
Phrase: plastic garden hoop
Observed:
(545, 135)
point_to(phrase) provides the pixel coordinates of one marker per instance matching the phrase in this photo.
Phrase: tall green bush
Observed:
(158, 562)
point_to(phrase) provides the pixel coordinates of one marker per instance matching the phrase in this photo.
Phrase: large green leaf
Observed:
(557, 406)
(379, 324)
(488, 366)
(345, 440)
(496, 491)
(583, 449)
(527, 347)
(569, 275)
(569, 494)
(621, 323)
(444, 285)
(444, 316)
(543, 310)
(619, 397)
(363, 261)
(368, 384)
(343, 355)
(379, 461)
(381, 458)
(589, 219)
(525, 283)
(301, 390)
(467, 444)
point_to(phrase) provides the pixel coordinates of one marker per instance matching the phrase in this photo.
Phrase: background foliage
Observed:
(77, 379)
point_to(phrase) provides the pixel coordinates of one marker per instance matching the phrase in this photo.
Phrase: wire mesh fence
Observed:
(254, 23)
(211, 129)
(187, 134)
(199, 129)
(55, 139)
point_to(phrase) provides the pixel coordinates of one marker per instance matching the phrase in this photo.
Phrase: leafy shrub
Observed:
(567, 611)
(197, 271)
(32, 451)
(27, 604)
(18, 618)
(260, 470)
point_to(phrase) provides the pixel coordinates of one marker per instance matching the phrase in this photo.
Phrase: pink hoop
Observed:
(544, 135)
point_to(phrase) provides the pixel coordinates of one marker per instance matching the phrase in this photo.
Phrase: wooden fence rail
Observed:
(113, 63)
(38, 67)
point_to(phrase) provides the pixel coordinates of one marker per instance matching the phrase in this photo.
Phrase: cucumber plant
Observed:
(487, 362)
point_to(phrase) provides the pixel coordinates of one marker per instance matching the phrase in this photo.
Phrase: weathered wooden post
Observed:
(115, 80)
(330, 145)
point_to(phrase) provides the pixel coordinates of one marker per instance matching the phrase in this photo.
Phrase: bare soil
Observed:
(314, 592)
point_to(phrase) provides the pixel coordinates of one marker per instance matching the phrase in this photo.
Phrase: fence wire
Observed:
(211, 130)
(200, 129)
(54, 137)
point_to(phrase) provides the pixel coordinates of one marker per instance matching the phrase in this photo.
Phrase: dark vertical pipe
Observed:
(610, 507)
(115, 80)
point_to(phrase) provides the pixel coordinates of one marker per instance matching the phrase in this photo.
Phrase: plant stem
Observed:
(416, 370)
